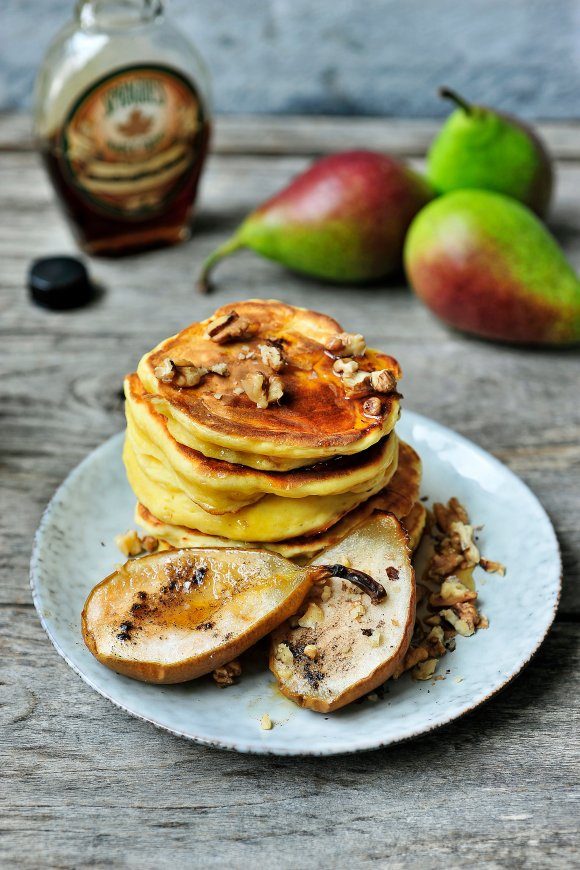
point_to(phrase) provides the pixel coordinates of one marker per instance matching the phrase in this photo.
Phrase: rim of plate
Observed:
(254, 747)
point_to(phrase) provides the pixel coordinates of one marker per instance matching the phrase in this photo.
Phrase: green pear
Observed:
(485, 264)
(342, 220)
(479, 147)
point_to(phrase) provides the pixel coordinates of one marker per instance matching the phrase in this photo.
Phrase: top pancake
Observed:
(314, 419)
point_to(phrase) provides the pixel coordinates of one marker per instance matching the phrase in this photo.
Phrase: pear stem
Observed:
(204, 284)
(449, 94)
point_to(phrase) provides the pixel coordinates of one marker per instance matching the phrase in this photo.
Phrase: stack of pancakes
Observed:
(267, 426)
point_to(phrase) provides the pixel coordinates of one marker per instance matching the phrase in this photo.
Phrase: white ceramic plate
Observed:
(74, 549)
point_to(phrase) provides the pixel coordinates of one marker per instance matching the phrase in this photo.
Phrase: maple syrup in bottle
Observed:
(122, 121)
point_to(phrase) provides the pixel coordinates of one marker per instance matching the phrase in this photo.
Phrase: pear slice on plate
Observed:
(342, 643)
(178, 614)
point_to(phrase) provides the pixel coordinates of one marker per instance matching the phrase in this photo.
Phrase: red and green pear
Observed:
(343, 220)
(485, 264)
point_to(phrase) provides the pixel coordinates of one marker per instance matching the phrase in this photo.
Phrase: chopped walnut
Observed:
(360, 383)
(326, 593)
(462, 533)
(311, 651)
(345, 368)
(452, 591)
(433, 620)
(284, 654)
(184, 373)
(425, 670)
(492, 567)
(447, 514)
(444, 564)
(347, 344)
(376, 638)
(311, 617)
(463, 617)
(130, 543)
(189, 376)
(271, 356)
(231, 327)
(383, 381)
(266, 723)
(357, 611)
(227, 674)
(261, 389)
(372, 407)
(434, 642)
(150, 543)
(165, 371)
(414, 655)
(220, 369)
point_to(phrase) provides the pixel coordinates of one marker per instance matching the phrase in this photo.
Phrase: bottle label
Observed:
(130, 140)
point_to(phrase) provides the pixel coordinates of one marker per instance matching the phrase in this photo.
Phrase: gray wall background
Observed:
(369, 57)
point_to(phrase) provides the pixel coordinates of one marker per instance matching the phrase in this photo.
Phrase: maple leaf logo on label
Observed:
(137, 124)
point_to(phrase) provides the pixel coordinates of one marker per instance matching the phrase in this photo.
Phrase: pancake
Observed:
(399, 497)
(272, 518)
(221, 487)
(414, 524)
(315, 418)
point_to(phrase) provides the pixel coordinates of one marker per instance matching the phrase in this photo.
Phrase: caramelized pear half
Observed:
(176, 615)
(344, 643)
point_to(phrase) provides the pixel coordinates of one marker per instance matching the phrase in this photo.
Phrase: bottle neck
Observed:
(117, 14)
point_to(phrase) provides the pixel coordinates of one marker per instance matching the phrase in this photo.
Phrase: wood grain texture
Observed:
(88, 786)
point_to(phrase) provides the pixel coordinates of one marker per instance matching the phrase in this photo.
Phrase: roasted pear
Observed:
(176, 615)
(344, 643)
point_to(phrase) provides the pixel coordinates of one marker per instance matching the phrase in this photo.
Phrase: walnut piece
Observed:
(261, 389)
(184, 373)
(227, 674)
(231, 327)
(271, 356)
(425, 670)
(360, 383)
(311, 617)
(165, 372)
(463, 617)
(150, 543)
(373, 407)
(452, 591)
(266, 723)
(383, 381)
(284, 654)
(130, 543)
(492, 567)
(347, 344)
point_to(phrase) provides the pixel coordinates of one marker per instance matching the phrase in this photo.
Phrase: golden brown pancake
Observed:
(272, 518)
(399, 497)
(314, 420)
(221, 487)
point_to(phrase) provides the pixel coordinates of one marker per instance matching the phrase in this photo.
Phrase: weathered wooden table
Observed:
(84, 784)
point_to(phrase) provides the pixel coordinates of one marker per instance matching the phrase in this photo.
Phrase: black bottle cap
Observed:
(60, 283)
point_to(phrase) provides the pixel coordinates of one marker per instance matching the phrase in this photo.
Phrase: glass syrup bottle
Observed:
(122, 120)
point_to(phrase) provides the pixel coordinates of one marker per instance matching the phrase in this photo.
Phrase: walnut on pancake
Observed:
(231, 327)
(345, 344)
(184, 373)
(359, 383)
(261, 389)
